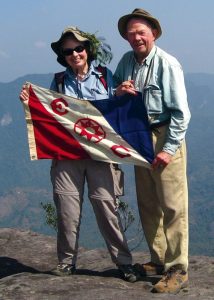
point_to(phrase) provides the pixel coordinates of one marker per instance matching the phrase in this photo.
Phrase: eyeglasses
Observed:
(69, 51)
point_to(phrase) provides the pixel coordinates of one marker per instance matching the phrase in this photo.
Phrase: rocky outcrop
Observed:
(27, 257)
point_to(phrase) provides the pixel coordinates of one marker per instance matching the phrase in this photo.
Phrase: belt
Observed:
(160, 124)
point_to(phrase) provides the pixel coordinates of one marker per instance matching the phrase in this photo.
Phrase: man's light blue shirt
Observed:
(160, 79)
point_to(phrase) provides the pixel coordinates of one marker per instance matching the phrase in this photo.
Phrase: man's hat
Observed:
(138, 13)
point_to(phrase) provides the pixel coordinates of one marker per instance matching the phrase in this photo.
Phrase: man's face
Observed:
(141, 37)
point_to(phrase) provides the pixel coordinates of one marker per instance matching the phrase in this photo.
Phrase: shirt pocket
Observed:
(99, 93)
(154, 99)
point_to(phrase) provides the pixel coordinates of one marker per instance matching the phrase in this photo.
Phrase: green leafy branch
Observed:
(126, 216)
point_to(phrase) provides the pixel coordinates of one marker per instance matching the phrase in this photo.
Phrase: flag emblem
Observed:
(90, 129)
(59, 106)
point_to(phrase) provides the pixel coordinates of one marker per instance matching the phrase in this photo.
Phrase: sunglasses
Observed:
(69, 51)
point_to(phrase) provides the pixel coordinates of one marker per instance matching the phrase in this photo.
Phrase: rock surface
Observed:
(26, 257)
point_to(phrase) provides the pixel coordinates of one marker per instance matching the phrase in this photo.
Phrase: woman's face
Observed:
(75, 55)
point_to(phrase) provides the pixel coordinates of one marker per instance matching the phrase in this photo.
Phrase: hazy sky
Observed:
(29, 26)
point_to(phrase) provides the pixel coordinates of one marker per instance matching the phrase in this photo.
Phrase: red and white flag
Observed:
(111, 130)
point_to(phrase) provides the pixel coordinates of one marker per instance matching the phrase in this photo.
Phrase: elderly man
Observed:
(162, 192)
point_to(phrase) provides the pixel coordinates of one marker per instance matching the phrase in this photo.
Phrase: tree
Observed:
(50, 216)
(126, 216)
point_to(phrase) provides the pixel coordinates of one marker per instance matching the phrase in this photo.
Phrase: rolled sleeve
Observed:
(175, 93)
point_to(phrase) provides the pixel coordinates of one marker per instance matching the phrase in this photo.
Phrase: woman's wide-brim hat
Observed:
(138, 13)
(56, 46)
(96, 48)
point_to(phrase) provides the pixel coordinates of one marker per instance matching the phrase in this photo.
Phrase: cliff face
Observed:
(26, 257)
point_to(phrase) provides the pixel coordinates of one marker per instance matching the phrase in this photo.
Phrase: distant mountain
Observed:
(25, 184)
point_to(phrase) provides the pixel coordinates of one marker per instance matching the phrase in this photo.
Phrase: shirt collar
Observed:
(148, 59)
(150, 56)
(91, 70)
(95, 70)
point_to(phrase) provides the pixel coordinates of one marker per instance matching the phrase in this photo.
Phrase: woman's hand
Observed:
(24, 94)
(126, 87)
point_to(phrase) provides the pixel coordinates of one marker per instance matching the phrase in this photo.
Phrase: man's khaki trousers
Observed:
(162, 196)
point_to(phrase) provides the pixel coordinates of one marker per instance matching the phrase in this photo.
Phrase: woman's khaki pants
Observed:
(68, 178)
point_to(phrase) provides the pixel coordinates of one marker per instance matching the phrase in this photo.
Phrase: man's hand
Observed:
(126, 87)
(161, 160)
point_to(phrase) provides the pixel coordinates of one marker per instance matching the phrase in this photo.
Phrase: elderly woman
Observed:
(79, 52)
